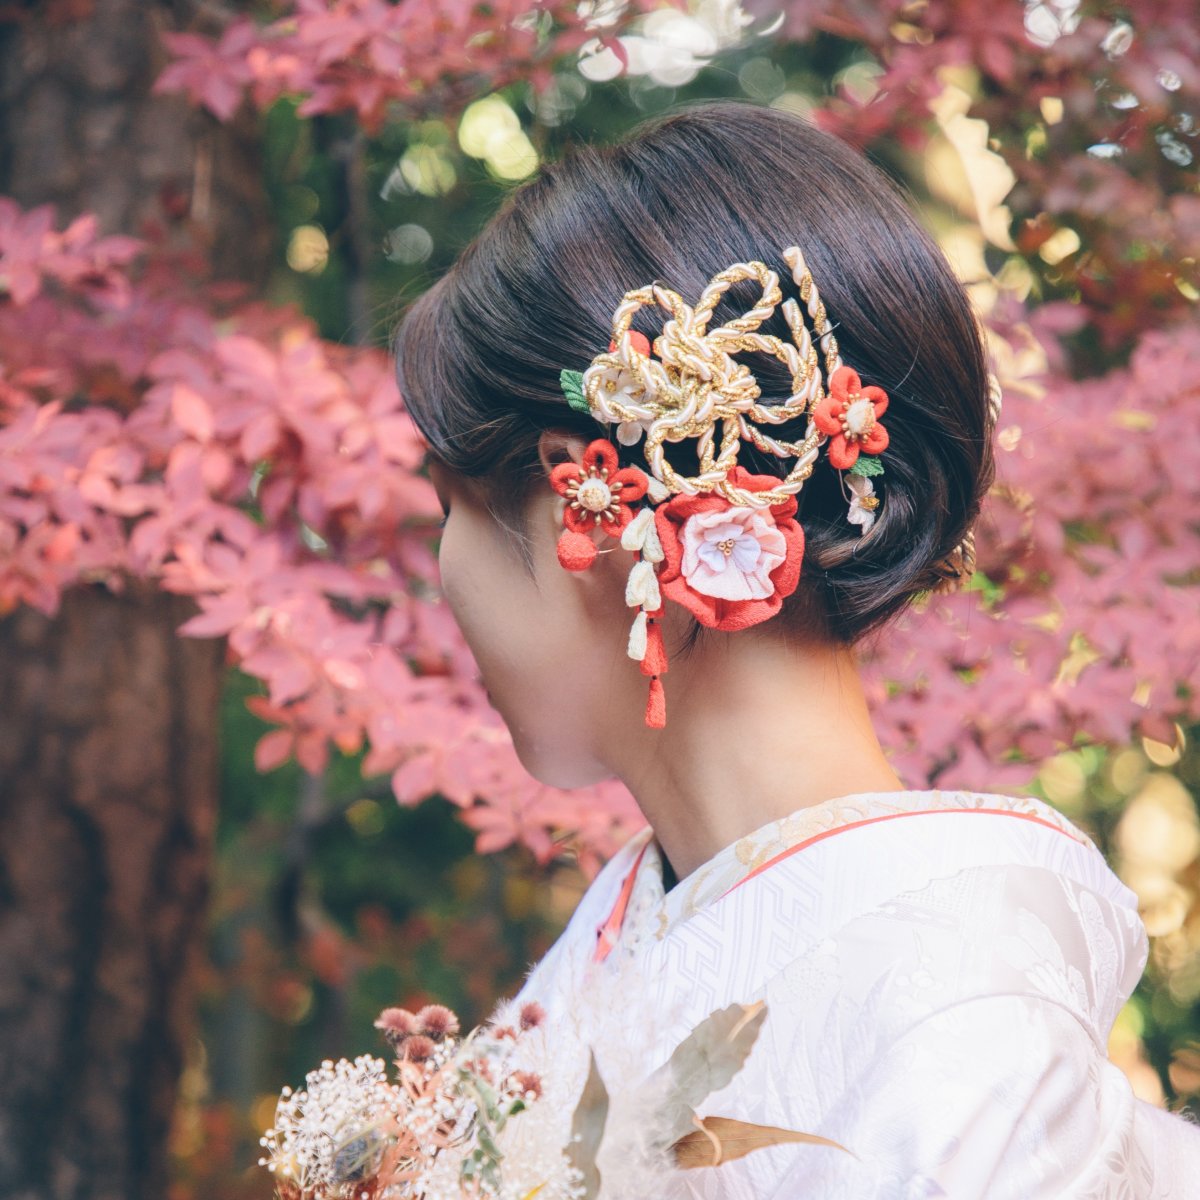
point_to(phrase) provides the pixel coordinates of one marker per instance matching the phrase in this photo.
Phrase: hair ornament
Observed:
(598, 494)
(952, 572)
(722, 542)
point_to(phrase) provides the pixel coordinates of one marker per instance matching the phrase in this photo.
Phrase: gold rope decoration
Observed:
(694, 384)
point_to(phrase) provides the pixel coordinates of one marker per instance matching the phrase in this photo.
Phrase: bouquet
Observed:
(481, 1116)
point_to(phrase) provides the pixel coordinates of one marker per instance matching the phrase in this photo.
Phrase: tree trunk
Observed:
(108, 755)
(79, 129)
(108, 773)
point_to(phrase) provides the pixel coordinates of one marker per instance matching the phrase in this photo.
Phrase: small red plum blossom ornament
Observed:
(598, 494)
(850, 414)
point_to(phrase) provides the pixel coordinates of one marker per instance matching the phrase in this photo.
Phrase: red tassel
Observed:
(576, 551)
(656, 705)
(655, 661)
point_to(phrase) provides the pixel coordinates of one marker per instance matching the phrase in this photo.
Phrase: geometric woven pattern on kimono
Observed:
(941, 971)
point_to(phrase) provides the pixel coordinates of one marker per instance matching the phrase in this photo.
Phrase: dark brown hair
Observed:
(681, 197)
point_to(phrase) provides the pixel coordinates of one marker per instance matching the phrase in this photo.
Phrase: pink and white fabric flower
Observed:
(731, 554)
(731, 565)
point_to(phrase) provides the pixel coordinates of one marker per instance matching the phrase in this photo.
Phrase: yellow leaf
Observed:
(530, 1195)
(721, 1139)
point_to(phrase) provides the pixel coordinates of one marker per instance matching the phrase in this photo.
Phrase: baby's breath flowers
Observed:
(330, 1137)
(354, 1132)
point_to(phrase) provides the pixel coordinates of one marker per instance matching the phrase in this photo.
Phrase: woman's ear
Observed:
(557, 446)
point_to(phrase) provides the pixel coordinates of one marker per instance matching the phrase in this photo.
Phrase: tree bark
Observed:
(108, 777)
(108, 719)
(80, 129)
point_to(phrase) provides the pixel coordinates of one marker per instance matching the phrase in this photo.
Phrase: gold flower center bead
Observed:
(858, 418)
(726, 546)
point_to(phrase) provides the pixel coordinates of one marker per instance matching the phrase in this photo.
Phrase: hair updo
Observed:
(680, 198)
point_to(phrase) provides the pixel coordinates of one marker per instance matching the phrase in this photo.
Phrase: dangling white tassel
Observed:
(637, 637)
(653, 596)
(652, 550)
(642, 587)
(641, 535)
(633, 535)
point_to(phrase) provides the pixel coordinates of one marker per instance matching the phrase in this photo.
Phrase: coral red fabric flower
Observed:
(597, 492)
(730, 565)
(850, 414)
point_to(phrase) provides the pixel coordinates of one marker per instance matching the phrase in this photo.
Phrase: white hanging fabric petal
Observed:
(652, 550)
(637, 637)
(642, 587)
(633, 535)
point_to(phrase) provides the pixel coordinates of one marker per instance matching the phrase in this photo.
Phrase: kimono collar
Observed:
(645, 911)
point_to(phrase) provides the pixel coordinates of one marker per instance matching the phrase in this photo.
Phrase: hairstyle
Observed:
(681, 197)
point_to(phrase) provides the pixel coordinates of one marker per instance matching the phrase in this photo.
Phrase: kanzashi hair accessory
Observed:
(599, 493)
(722, 542)
(850, 416)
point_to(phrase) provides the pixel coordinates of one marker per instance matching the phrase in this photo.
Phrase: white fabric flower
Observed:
(863, 502)
(629, 433)
(624, 387)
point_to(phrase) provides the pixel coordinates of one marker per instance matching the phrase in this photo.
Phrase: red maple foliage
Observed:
(236, 457)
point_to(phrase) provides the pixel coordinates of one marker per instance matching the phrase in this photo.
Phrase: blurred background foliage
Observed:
(332, 901)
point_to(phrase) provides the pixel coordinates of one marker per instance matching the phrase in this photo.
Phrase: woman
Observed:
(940, 968)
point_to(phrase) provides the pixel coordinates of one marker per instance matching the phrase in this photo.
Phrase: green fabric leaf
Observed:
(867, 464)
(571, 383)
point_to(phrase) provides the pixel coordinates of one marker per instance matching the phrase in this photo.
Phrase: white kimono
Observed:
(941, 970)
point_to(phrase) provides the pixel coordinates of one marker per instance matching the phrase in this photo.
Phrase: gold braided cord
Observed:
(694, 385)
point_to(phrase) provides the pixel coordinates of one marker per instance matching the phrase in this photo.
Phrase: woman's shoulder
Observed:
(977, 894)
(957, 911)
(986, 930)
(1020, 807)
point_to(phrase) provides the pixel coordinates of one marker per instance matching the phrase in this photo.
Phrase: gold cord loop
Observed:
(693, 384)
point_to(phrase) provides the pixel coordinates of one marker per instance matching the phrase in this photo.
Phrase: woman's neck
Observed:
(757, 728)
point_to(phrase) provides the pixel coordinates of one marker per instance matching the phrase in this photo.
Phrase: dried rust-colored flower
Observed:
(532, 1015)
(437, 1021)
(417, 1048)
(396, 1024)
